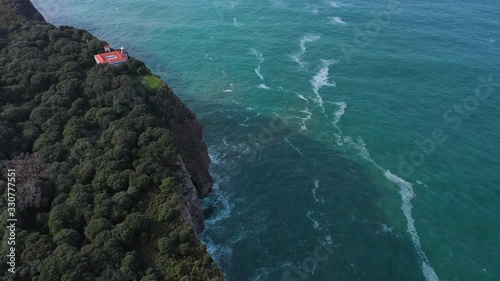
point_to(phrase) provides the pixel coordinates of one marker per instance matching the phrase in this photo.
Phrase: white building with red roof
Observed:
(111, 57)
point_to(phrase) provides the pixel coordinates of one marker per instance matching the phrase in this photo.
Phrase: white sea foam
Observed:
(230, 90)
(257, 71)
(222, 156)
(257, 54)
(315, 222)
(321, 80)
(245, 122)
(308, 38)
(293, 146)
(260, 58)
(236, 23)
(300, 96)
(339, 112)
(407, 194)
(336, 119)
(298, 59)
(405, 189)
(215, 155)
(308, 115)
(220, 201)
(336, 20)
(335, 4)
(329, 239)
(358, 145)
(263, 86)
(313, 9)
(421, 183)
(387, 229)
(314, 192)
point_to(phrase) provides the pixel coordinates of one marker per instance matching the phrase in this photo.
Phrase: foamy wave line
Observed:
(293, 146)
(321, 80)
(297, 94)
(257, 54)
(339, 112)
(316, 224)
(407, 193)
(314, 192)
(257, 71)
(308, 38)
(303, 125)
(260, 58)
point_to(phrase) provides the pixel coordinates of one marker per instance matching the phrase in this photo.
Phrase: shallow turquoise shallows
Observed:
(350, 140)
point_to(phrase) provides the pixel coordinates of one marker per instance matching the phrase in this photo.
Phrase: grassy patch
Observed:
(151, 82)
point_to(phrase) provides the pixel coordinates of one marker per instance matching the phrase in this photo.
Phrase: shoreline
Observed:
(189, 179)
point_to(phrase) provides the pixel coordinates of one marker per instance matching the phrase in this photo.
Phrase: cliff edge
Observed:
(108, 168)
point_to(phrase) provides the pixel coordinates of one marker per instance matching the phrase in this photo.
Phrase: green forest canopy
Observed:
(102, 199)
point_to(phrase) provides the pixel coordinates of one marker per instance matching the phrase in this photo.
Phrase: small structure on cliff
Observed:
(112, 57)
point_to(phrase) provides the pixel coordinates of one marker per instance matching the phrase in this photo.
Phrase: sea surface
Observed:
(350, 140)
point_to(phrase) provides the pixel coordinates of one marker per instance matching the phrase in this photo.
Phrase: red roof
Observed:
(111, 57)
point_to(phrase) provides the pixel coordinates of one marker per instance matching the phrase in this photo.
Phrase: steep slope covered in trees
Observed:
(109, 171)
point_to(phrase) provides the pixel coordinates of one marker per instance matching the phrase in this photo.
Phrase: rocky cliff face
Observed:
(126, 162)
(193, 154)
(191, 208)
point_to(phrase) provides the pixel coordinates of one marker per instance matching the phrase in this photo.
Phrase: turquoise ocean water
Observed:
(350, 140)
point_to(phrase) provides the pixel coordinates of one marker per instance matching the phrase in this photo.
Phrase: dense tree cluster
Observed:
(101, 196)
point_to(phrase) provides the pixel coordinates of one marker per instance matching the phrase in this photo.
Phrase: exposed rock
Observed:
(193, 152)
(191, 211)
